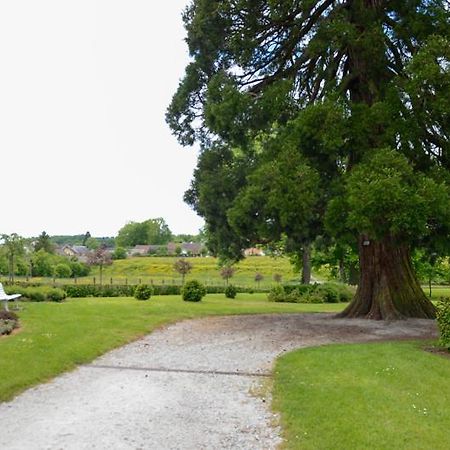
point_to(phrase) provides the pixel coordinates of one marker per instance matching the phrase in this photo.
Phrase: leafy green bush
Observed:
(443, 320)
(193, 291)
(329, 293)
(56, 295)
(62, 271)
(143, 292)
(230, 291)
(314, 293)
(38, 293)
(277, 294)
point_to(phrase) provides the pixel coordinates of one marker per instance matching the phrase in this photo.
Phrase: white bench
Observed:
(4, 297)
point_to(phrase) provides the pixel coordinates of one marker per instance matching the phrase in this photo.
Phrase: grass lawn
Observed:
(55, 337)
(366, 396)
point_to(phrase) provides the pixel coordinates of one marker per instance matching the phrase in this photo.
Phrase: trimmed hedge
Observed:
(115, 290)
(314, 293)
(443, 320)
(38, 293)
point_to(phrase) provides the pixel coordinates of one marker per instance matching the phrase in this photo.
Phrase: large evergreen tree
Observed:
(354, 94)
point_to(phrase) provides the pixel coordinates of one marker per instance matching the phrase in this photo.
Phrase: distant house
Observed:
(187, 248)
(253, 251)
(79, 252)
(144, 250)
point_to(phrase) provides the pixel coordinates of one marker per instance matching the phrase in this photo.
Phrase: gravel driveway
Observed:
(187, 386)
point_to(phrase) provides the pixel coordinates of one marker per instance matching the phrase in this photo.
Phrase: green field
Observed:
(368, 396)
(160, 270)
(55, 337)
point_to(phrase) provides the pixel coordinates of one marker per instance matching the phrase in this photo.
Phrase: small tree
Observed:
(119, 253)
(14, 247)
(183, 267)
(100, 258)
(227, 272)
(43, 242)
(258, 278)
(62, 270)
(277, 277)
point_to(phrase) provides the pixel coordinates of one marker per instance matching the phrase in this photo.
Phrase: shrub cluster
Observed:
(443, 320)
(143, 292)
(193, 291)
(8, 322)
(314, 293)
(38, 293)
(230, 291)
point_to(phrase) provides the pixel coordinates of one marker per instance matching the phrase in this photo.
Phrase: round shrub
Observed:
(230, 291)
(62, 271)
(193, 291)
(143, 292)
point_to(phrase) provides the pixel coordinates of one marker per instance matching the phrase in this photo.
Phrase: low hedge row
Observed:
(38, 293)
(116, 290)
(314, 293)
(443, 320)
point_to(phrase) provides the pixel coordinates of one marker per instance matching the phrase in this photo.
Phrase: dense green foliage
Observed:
(321, 119)
(43, 242)
(230, 291)
(193, 291)
(143, 292)
(45, 264)
(443, 320)
(38, 293)
(116, 290)
(119, 253)
(365, 396)
(151, 231)
(315, 293)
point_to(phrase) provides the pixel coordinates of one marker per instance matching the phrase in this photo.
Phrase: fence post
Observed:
(126, 281)
(111, 281)
(93, 279)
(139, 281)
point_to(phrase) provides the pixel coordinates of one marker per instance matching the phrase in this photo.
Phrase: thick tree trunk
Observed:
(306, 264)
(388, 288)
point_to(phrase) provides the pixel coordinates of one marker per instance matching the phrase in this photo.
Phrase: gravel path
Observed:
(187, 386)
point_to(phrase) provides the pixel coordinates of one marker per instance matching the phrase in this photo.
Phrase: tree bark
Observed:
(306, 264)
(388, 288)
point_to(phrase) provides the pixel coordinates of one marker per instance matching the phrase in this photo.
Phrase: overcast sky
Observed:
(83, 90)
